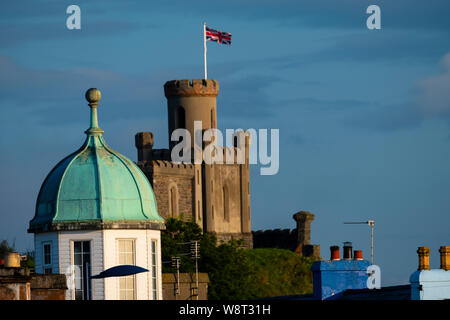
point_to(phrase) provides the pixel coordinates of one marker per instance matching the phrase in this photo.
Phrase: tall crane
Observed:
(371, 224)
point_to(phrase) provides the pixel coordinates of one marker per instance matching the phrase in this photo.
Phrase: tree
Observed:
(6, 247)
(229, 272)
(235, 273)
(175, 242)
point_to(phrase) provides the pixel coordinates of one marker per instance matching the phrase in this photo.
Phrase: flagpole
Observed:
(204, 47)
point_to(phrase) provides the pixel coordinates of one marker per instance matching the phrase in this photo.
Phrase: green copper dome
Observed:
(95, 187)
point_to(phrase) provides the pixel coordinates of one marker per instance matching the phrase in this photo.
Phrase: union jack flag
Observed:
(218, 36)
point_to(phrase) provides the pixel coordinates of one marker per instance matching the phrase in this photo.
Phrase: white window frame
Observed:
(72, 262)
(46, 266)
(154, 264)
(133, 240)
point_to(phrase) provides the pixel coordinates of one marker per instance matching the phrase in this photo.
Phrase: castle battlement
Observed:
(170, 164)
(195, 87)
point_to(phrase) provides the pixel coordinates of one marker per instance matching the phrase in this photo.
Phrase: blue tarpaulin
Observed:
(119, 271)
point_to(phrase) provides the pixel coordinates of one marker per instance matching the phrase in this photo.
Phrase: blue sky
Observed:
(364, 115)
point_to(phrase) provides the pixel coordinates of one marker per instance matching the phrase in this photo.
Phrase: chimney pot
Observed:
(358, 255)
(12, 260)
(445, 257)
(347, 250)
(334, 253)
(424, 258)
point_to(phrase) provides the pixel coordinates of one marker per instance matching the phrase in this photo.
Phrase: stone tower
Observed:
(191, 101)
(216, 196)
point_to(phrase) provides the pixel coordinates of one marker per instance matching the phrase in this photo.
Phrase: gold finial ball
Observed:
(93, 95)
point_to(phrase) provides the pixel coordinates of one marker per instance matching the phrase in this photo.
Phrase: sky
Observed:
(363, 115)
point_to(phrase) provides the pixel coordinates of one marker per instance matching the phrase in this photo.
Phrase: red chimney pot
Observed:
(334, 253)
(358, 255)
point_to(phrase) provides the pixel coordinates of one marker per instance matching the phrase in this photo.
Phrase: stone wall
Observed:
(48, 287)
(19, 284)
(186, 289)
(165, 174)
(247, 238)
(14, 284)
(217, 196)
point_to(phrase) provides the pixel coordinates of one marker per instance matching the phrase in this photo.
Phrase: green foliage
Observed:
(229, 272)
(30, 261)
(279, 272)
(234, 272)
(6, 247)
(175, 243)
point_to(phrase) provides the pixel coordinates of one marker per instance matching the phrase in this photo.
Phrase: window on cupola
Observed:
(154, 271)
(82, 263)
(127, 257)
(47, 249)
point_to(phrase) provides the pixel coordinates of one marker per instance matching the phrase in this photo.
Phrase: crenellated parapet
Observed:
(195, 87)
(168, 168)
(170, 164)
(298, 240)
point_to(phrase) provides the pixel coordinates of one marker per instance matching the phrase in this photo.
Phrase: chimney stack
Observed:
(424, 258)
(303, 219)
(12, 260)
(334, 253)
(144, 145)
(445, 257)
(348, 250)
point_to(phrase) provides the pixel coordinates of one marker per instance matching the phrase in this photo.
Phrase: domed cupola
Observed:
(95, 188)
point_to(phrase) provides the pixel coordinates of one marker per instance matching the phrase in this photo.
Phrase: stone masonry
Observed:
(216, 196)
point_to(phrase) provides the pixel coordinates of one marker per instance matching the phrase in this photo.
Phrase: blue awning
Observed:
(119, 271)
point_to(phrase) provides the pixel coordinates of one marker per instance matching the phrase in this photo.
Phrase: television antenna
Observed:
(371, 224)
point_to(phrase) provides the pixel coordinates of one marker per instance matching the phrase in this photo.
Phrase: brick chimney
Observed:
(424, 258)
(144, 145)
(445, 257)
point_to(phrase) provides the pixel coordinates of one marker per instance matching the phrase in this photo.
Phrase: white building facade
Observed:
(67, 252)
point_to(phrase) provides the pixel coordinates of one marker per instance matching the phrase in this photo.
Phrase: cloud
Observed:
(50, 94)
(247, 96)
(315, 14)
(431, 100)
(327, 104)
(343, 14)
(386, 118)
(434, 96)
(17, 33)
(361, 47)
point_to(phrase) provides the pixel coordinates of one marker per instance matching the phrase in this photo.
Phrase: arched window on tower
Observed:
(180, 123)
(180, 118)
(213, 123)
(226, 204)
(173, 201)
